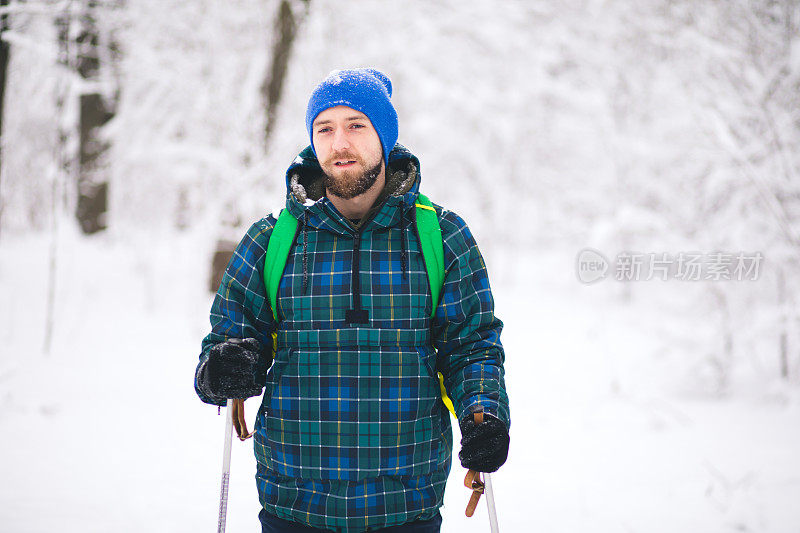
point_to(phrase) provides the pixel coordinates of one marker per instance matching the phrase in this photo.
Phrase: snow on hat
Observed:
(364, 89)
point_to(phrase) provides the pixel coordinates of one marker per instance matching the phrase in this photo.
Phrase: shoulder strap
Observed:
(430, 235)
(280, 243)
(430, 240)
(432, 244)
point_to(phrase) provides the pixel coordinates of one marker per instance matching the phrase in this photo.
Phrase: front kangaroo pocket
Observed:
(353, 414)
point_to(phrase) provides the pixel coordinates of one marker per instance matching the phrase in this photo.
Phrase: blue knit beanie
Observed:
(364, 89)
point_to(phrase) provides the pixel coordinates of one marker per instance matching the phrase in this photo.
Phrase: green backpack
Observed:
(430, 236)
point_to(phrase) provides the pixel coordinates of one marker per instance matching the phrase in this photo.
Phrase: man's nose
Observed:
(340, 141)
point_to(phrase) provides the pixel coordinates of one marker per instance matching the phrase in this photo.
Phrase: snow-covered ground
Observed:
(105, 433)
(644, 407)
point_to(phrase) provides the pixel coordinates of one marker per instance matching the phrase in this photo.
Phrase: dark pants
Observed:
(273, 524)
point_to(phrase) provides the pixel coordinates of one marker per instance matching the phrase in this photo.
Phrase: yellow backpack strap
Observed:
(445, 398)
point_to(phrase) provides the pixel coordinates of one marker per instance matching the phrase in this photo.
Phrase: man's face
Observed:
(348, 149)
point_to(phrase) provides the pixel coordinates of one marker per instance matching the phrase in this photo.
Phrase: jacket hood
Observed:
(305, 191)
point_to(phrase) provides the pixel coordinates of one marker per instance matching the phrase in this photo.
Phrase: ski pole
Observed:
(490, 504)
(226, 467)
(473, 481)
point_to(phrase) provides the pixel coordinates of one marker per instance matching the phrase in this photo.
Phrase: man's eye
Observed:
(356, 125)
(323, 130)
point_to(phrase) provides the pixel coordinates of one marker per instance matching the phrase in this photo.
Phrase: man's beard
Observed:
(349, 184)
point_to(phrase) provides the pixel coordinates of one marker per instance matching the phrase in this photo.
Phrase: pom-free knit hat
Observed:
(364, 89)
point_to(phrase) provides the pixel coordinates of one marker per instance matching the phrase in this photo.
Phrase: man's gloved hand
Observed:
(233, 368)
(484, 447)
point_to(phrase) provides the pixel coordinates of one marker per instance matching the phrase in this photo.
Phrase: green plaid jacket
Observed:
(352, 434)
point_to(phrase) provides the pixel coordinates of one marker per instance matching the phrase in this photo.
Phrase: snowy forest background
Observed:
(140, 138)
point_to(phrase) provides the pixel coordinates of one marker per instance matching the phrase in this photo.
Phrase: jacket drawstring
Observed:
(305, 251)
(403, 254)
(403, 243)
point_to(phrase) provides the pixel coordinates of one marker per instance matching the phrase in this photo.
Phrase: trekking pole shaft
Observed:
(490, 504)
(487, 486)
(226, 468)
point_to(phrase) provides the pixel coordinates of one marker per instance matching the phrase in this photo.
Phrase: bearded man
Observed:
(353, 433)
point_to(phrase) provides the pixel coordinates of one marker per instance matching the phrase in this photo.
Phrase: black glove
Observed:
(234, 369)
(484, 447)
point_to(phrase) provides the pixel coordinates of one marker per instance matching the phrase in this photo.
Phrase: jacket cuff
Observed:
(488, 407)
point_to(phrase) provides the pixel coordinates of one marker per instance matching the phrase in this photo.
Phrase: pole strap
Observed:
(239, 423)
(473, 481)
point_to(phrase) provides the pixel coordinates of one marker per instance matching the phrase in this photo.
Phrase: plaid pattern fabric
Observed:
(352, 434)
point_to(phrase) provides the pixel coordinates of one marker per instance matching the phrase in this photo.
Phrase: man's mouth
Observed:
(346, 163)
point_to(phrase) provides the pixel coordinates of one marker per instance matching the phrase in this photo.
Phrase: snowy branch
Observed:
(60, 8)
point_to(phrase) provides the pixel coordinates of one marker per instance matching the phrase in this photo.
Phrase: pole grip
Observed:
(481, 486)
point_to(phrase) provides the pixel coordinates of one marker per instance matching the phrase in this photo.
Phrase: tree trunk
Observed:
(95, 111)
(783, 337)
(286, 25)
(5, 49)
(92, 186)
(723, 361)
(64, 165)
(222, 256)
